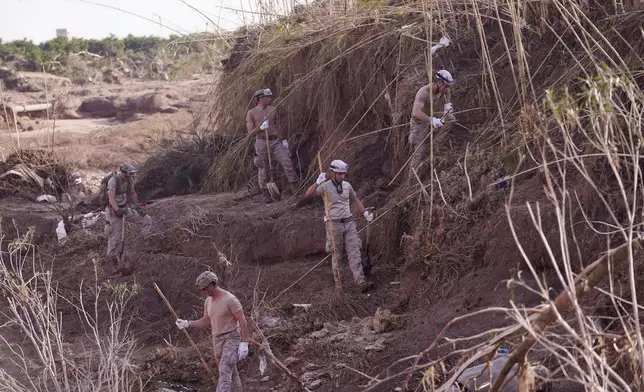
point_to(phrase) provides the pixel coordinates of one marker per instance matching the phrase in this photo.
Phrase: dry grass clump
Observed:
(179, 165)
(37, 355)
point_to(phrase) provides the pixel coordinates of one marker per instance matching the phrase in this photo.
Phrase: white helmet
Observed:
(445, 77)
(339, 166)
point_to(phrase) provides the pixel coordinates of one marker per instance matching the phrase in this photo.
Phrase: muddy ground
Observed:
(277, 260)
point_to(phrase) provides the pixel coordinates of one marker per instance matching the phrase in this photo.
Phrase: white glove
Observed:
(182, 324)
(448, 108)
(285, 143)
(437, 123)
(264, 125)
(445, 41)
(368, 216)
(243, 351)
(321, 178)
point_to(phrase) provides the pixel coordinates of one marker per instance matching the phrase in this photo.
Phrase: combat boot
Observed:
(267, 196)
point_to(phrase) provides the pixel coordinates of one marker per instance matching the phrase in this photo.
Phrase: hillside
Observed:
(521, 231)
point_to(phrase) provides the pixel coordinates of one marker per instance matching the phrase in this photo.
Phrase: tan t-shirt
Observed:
(338, 202)
(257, 115)
(423, 95)
(121, 188)
(221, 313)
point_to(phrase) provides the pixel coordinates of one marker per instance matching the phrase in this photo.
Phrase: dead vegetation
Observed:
(345, 85)
(554, 109)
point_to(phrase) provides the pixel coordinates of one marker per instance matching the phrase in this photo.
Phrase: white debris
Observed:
(46, 199)
(61, 233)
(262, 364)
(90, 219)
(444, 42)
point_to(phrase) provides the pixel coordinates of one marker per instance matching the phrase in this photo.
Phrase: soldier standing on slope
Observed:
(123, 202)
(260, 120)
(420, 122)
(224, 315)
(345, 232)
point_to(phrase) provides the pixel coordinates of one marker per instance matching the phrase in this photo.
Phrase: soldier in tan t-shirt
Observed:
(340, 221)
(224, 315)
(262, 123)
(420, 122)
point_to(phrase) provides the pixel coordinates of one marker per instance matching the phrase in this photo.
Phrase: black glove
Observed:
(121, 211)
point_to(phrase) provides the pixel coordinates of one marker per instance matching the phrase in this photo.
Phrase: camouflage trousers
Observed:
(114, 227)
(226, 348)
(419, 141)
(279, 154)
(346, 239)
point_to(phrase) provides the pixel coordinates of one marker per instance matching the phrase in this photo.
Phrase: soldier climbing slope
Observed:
(345, 233)
(260, 122)
(420, 122)
(224, 315)
(123, 203)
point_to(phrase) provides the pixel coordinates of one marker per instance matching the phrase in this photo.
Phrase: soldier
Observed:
(419, 122)
(123, 203)
(262, 120)
(345, 233)
(224, 315)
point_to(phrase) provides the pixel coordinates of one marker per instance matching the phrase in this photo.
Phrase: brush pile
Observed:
(30, 173)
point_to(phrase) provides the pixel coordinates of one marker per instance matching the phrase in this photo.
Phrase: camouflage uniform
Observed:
(346, 238)
(419, 145)
(226, 348)
(114, 227)
(345, 231)
(278, 154)
(114, 223)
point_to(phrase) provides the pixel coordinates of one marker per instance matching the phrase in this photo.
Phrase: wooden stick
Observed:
(203, 361)
(588, 278)
(334, 259)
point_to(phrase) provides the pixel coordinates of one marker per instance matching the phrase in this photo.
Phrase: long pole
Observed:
(203, 361)
(334, 258)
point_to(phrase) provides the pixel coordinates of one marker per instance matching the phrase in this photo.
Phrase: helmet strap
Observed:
(338, 185)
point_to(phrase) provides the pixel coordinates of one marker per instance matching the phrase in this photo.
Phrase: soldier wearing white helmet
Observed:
(122, 202)
(224, 315)
(340, 221)
(420, 121)
(262, 123)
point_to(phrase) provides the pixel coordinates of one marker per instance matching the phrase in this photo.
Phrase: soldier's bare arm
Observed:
(243, 327)
(358, 203)
(419, 104)
(448, 96)
(276, 124)
(203, 322)
(250, 124)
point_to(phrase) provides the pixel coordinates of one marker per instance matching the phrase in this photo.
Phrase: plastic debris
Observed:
(262, 364)
(46, 199)
(61, 233)
(444, 42)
